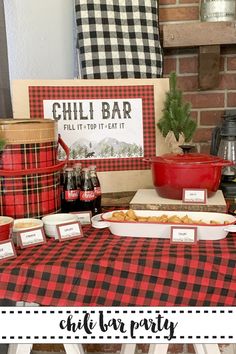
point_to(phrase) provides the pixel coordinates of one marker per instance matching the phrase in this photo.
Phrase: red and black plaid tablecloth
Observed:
(101, 269)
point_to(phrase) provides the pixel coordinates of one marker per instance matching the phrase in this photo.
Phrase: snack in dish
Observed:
(131, 216)
(207, 229)
(21, 225)
(25, 224)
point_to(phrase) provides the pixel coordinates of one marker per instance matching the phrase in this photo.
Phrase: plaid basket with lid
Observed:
(29, 169)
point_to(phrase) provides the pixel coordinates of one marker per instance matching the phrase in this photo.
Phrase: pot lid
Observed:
(191, 158)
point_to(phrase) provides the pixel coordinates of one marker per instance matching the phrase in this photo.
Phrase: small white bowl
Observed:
(51, 221)
(24, 224)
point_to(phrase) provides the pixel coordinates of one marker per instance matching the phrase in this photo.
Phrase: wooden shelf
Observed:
(198, 34)
(208, 36)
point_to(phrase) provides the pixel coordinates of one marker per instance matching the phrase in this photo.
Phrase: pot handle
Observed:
(186, 148)
(150, 160)
(222, 163)
(230, 228)
(147, 159)
(98, 223)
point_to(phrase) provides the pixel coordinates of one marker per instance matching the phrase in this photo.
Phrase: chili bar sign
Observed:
(110, 123)
(98, 128)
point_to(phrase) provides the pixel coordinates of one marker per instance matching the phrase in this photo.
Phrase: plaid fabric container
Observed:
(118, 39)
(34, 155)
(29, 168)
(31, 143)
(32, 195)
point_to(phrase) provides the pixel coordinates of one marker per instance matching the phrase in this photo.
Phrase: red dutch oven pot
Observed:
(172, 173)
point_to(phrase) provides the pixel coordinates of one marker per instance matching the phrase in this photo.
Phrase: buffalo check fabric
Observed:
(118, 39)
(102, 269)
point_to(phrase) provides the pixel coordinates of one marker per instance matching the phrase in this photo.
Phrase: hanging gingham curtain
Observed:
(118, 39)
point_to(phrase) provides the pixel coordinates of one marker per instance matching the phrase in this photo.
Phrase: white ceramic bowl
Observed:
(24, 224)
(51, 221)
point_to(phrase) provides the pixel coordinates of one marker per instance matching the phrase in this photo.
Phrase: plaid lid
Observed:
(118, 39)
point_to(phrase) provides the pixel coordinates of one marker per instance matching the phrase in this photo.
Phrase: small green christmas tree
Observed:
(176, 114)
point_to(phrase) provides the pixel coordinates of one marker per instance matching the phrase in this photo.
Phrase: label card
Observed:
(32, 237)
(69, 230)
(84, 217)
(194, 195)
(183, 235)
(7, 250)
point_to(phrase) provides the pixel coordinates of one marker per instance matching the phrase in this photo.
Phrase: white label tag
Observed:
(69, 230)
(194, 196)
(7, 250)
(32, 237)
(183, 234)
(84, 217)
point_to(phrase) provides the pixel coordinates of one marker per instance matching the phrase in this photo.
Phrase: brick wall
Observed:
(207, 106)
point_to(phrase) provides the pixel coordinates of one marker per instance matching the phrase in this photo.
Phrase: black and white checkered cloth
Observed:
(118, 39)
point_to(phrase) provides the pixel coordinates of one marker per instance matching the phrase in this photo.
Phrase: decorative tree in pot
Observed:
(176, 124)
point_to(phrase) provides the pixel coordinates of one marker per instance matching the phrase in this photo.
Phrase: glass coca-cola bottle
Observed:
(70, 191)
(97, 189)
(77, 169)
(62, 181)
(87, 195)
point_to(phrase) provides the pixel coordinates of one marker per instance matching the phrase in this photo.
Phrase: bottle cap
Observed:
(77, 165)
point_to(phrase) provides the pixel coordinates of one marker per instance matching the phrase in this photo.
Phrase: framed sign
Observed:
(186, 235)
(32, 237)
(69, 230)
(110, 123)
(191, 195)
(7, 250)
(84, 217)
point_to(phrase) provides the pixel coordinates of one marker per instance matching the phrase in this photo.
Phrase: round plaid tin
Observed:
(32, 195)
(31, 143)
(31, 192)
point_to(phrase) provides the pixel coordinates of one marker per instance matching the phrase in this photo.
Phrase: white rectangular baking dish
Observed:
(163, 230)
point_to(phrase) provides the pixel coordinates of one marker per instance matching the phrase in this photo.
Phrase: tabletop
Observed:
(101, 269)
